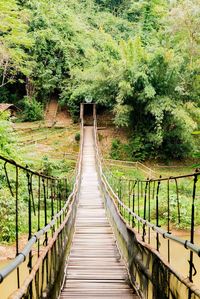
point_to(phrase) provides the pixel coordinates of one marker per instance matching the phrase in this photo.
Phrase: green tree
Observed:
(138, 58)
(182, 29)
(14, 40)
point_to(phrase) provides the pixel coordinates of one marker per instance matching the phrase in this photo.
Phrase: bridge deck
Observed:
(94, 268)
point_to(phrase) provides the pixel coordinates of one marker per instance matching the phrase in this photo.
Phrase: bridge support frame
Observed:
(82, 110)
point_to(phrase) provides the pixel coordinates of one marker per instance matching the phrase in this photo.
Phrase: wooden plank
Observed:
(96, 284)
(93, 291)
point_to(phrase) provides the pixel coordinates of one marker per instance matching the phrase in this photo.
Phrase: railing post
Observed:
(178, 203)
(133, 203)
(81, 111)
(29, 228)
(94, 111)
(39, 203)
(17, 220)
(192, 228)
(52, 199)
(149, 211)
(157, 215)
(138, 203)
(119, 194)
(129, 201)
(45, 208)
(144, 215)
(168, 219)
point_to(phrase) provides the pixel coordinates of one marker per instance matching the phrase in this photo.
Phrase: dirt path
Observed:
(51, 112)
(57, 116)
(63, 118)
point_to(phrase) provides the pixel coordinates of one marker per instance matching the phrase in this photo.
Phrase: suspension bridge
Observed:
(96, 235)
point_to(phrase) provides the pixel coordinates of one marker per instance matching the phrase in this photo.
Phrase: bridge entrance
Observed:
(88, 113)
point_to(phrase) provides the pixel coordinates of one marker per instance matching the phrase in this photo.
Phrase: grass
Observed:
(174, 171)
(37, 143)
(126, 172)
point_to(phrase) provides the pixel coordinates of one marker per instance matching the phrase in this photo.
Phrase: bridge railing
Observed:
(143, 213)
(44, 209)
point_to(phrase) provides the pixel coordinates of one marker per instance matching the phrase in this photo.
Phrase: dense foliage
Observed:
(7, 137)
(138, 58)
(32, 109)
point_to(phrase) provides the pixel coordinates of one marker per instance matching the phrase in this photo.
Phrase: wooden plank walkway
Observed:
(94, 268)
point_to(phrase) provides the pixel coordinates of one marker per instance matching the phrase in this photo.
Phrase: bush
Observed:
(7, 137)
(136, 149)
(33, 110)
(47, 166)
(7, 216)
(77, 137)
(116, 149)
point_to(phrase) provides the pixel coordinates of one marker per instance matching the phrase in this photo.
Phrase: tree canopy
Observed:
(139, 59)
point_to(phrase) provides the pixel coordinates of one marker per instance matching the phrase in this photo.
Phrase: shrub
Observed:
(47, 166)
(136, 149)
(7, 137)
(33, 110)
(77, 137)
(116, 149)
(7, 216)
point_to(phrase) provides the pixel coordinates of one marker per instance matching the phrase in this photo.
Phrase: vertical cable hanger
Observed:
(7, 179)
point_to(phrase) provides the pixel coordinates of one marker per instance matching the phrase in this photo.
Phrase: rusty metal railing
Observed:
(50, 212)
(138, 204)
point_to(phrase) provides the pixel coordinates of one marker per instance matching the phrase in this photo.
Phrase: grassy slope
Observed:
(36, 141)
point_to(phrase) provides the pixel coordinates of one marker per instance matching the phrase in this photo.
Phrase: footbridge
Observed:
(96, 235)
